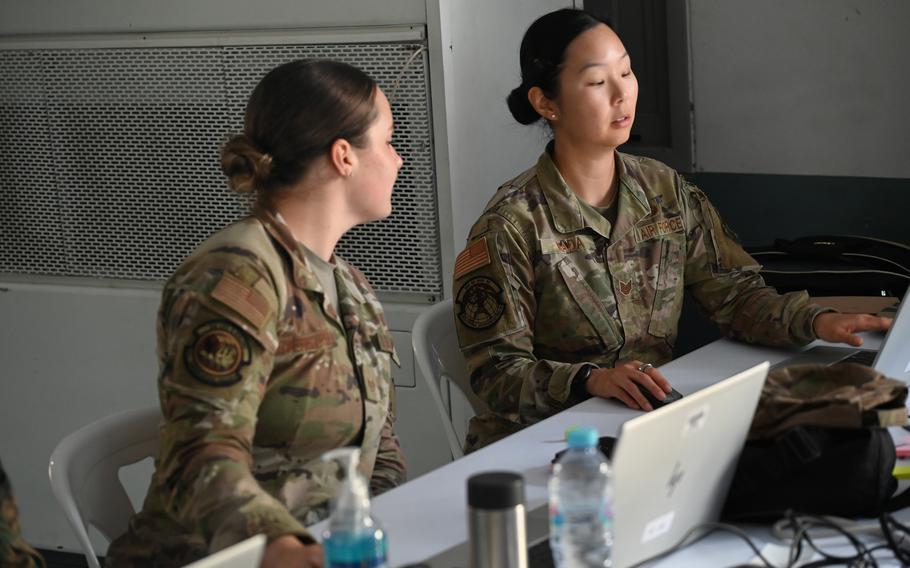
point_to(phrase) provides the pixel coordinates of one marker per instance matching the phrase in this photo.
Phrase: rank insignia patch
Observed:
(217, 355)
(625, 287)
(480, 303)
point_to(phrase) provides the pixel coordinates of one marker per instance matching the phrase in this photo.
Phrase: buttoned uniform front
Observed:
(547, 284)
(259, 376)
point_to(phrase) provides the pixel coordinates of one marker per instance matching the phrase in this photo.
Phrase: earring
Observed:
(553, 116)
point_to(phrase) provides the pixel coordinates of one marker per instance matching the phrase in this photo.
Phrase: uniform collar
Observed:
(570, 215)
(301, 272)
(349, 282)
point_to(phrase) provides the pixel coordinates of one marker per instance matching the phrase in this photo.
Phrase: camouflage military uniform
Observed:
(14, 551)
(259, 377)
(546, 284)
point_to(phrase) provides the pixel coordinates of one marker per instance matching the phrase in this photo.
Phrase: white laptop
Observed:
(892, 359)
(672, 467)
(244, 554)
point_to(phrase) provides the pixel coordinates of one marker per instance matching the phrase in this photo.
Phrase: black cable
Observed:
(904, 528)
(885, 547)
(802, 524)
(886, 521)
(807, 522)
(708, 528)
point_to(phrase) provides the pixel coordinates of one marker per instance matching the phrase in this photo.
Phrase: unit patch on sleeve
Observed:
(480, 303)
(218, 353)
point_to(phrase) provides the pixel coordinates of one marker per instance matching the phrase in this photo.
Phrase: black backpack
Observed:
(836, 265)
(815, 470)
(818, 445)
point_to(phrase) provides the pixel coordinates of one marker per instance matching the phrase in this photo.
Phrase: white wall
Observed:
(486, 147)
(70, 356)
(94, 16)
(813, 87)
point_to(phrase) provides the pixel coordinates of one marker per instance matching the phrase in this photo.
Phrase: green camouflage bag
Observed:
(818, 444)
(844, 395)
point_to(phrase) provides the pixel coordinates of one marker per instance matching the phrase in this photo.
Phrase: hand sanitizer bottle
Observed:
(353, 539)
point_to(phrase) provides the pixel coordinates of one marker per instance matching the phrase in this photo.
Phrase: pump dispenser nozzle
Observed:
(352, 539)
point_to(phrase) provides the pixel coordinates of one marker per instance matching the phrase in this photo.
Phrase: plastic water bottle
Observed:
(353, 539)
(581, 501)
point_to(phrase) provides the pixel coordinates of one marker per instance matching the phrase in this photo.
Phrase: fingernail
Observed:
(648, 407)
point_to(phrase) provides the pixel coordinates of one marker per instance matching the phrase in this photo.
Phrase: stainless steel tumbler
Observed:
(496, 520)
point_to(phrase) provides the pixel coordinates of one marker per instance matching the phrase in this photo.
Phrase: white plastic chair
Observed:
(83, 472)
(440, 362)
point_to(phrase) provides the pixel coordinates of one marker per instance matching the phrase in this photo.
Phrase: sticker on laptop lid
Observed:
(696, 420)
(657, 527)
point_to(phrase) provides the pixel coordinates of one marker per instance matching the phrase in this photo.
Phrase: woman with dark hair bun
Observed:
(273, 349)
(572, 281)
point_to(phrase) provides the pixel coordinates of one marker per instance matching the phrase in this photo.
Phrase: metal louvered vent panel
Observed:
(109, 159)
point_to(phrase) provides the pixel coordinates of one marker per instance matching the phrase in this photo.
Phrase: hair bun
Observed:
(520, 106)
(246, 167)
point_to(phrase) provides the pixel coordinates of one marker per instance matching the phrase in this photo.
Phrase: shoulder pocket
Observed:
(375, 362)
(589, 303)
(385, 343)
(668, 291)
(724, 251)
(486, 304)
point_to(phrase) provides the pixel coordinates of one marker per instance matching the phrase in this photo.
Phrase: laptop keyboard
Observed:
(540, 556)
(864, 357)
(828, 355)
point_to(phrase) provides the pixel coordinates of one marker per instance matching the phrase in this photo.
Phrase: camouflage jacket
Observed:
(546, 285)
(259, 376)
(14, 551)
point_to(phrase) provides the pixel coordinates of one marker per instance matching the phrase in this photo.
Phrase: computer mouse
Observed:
(605, 444)
(672, 396)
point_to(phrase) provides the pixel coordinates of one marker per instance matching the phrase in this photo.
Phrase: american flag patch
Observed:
(234, 293)
(472, 258)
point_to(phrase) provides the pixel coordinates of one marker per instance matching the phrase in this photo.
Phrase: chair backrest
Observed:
(442, 365)
(83, 472)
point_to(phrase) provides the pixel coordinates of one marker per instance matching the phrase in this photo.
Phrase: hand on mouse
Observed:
(619, 382)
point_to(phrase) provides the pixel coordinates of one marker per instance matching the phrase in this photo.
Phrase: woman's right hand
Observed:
(619, 382)
(288, 551)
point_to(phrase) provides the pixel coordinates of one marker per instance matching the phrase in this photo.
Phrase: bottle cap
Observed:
(496, 490)
(582, 438)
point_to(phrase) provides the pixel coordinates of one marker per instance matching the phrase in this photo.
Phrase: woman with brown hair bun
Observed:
(272, 349)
